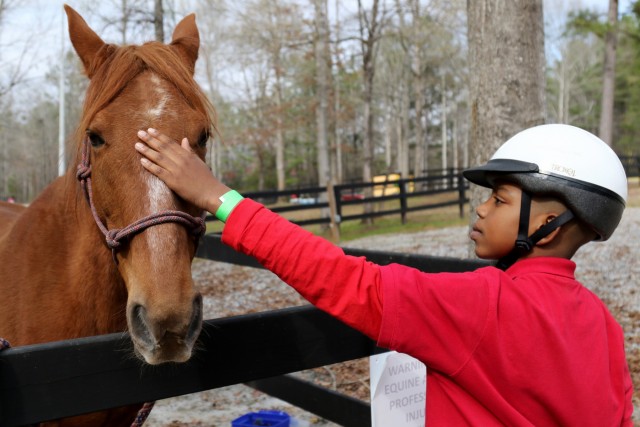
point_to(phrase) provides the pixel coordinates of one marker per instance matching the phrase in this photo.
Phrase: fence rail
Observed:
(49, 381)
(65, 378)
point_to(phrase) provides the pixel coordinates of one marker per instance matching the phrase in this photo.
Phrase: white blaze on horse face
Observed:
(159, 98)
(156, 110)
(160, 197)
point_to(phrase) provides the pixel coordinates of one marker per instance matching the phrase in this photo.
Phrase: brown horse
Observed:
(59, 277)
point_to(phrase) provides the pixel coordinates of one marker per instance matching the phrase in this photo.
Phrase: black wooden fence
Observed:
(398, 193)
(60, 379)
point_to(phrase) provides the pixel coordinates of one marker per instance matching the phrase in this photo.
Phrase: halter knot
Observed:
(113, 241)
(83, 172)
(199, 226)
(4, 344)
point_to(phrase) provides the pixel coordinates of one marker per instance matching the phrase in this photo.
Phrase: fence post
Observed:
(333, 199)
(403, 200)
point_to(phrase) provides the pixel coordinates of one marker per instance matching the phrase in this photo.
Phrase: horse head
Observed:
(133, 88)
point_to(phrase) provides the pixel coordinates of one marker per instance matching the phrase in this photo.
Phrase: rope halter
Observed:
(117, 236)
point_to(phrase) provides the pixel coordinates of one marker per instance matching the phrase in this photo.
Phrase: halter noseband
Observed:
(115, 237)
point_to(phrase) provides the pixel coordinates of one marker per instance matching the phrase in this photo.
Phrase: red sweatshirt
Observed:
(526, 347)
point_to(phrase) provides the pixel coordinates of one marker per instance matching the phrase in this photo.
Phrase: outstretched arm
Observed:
(346, 287)
(181, 169)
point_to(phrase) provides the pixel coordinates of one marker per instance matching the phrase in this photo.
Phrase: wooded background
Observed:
(312, 91)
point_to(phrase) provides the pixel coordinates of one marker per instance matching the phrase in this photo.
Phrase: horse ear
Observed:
(85, 41)
(186, 40)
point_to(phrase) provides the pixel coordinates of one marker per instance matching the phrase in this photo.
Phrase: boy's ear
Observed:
(551, 236)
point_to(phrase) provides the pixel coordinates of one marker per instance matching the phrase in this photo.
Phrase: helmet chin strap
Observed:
(525, 243)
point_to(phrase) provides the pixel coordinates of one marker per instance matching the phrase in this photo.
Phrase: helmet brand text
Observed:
(564, 170)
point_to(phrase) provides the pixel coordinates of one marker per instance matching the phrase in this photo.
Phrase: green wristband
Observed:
(229, 201)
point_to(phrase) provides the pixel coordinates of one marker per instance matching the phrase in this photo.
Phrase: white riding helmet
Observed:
(565, 162)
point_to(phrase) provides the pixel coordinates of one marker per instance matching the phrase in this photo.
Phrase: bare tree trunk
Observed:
(4, 6)
(403, 135)
(455, 147)
(368, 44)
(4, 171)
(506, 90)
(214, 152)
(158, 21)
(367, 141)
(445, 162)
(275, 51)
(280, 166)
(260, 120)
(322, 87)
(336, 151)
(338, 168)
(402, 120)
(562, 90)
(124, 22)
(338, 173)
(388, 131)
(609, 78)
(419, 85)
(370, 24)
(421, 147)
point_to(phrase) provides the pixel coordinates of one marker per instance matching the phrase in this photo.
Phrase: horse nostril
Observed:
(139, 326)
(166, 338)
(196, 320)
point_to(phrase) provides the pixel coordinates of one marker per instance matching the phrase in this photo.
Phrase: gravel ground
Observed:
(611, 269)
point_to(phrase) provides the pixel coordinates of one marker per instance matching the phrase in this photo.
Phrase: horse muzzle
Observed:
(168, 337)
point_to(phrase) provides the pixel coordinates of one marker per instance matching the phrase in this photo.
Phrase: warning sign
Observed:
(398, 390)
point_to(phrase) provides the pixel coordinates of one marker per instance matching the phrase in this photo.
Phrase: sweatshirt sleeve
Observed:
(344, 286)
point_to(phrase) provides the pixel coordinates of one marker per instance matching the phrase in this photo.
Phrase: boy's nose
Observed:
(481, 209)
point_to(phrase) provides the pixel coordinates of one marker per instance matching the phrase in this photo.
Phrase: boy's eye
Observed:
(497, 200)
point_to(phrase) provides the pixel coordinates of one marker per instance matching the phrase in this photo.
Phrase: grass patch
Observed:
(419, 221)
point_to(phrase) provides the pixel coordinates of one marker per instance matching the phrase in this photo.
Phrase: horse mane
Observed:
(123, 63)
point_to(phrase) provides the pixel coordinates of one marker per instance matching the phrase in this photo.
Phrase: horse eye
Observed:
(95, 139)
(202, 139)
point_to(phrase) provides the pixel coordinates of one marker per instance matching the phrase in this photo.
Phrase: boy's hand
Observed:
(180, 168)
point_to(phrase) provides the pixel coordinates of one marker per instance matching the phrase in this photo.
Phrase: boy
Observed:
(523, 344)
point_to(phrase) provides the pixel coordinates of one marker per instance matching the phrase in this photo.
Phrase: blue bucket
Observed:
(262, 418)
